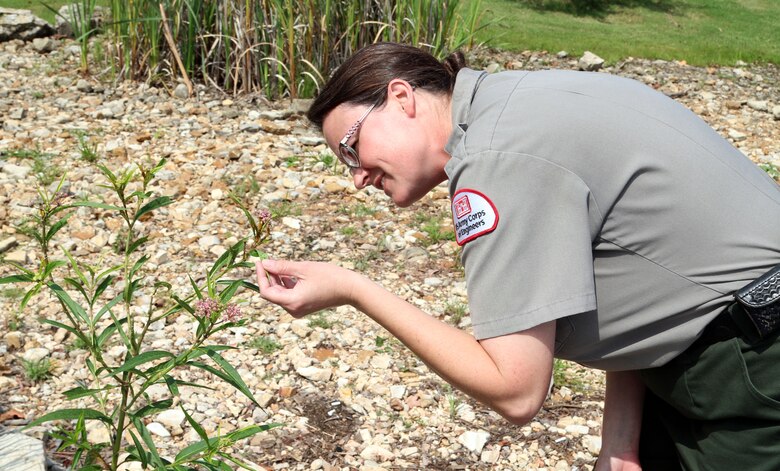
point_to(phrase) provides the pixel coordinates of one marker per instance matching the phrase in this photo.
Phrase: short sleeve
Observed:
(536, 264)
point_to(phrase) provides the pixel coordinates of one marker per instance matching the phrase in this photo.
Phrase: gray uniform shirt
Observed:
(602, 204)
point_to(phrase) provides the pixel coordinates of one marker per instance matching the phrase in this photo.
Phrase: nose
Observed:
(360, 177)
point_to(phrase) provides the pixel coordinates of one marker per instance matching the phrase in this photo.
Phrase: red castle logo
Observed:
(462, 206)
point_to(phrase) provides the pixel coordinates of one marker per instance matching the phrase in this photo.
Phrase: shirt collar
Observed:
(466, 85)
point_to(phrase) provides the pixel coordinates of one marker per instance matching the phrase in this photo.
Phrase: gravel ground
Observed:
(347, 395)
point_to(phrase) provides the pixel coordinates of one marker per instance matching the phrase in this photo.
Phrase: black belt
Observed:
(723, 327)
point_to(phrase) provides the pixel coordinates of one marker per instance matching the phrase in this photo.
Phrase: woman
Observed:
(600, 221)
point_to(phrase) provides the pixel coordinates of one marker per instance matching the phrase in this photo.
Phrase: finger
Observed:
(262, 277)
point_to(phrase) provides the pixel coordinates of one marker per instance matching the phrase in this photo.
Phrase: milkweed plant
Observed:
(97, 309)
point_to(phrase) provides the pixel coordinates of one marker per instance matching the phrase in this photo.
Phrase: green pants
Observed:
(719, 406)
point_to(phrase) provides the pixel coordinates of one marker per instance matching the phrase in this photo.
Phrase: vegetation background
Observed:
(701, 32)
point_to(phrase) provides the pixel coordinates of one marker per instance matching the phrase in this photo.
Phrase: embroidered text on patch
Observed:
(474, 215)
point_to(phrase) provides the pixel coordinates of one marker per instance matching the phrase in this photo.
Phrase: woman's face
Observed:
(400, 145)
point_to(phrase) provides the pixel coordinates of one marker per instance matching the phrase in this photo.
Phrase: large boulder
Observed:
(22, 24)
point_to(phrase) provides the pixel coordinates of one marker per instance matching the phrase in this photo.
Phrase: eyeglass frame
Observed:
(351, 152)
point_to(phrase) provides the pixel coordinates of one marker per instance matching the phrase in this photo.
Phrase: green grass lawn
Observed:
(39, 9)
(700, 32)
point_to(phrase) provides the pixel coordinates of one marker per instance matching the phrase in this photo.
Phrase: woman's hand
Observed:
(302, 288)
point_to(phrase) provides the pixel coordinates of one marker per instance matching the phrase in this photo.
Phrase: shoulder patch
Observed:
(473, 214)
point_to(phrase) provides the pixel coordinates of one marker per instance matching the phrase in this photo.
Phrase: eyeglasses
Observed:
(347, 153)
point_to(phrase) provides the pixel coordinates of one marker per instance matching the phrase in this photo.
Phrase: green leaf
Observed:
(62, 326)
(138, 265)
(71, 414)
(76, 284)
(108, 332)
(142, 454)
(79, 391)
(145, 357)
(183, 304)
(136, 243)
(27, 296)
(231, 375)
(201, 446)
(72, 306)
(259, 254)
(195, 288)
(230, 291)
(147, 439)
(75, 267)
(51, 266)
(104, 283)
(246, 284)
(171, 382)
(19, 278)
(154, 408)
(95, 204)
(55, 228)
(227, 258)
(156, 203)
(106, 307)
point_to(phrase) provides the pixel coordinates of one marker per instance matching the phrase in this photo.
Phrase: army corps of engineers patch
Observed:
(473, 214)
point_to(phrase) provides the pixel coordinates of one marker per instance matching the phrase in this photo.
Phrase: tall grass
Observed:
(274, 47)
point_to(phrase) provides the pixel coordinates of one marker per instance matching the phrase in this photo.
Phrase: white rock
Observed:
(6, 383)
(758, 105)
(474, 440)
(208, 241)
(592, 444)
(315, 374)
(13, 340)
(36, 354)
(181, 91)
(577, 430)
(8, 244)
(398, 391)
(171, 417)
(156, 428)
(490, 456)
(590, 62)
(737, 136)
(291, 222)
(300, 327)
(16, 171)
(377, 453)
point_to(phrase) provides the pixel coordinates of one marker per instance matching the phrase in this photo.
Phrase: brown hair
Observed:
(362, 79)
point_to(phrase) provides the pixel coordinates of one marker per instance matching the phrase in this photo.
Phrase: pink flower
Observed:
(206, 307)
(264, 216)
(232, 312)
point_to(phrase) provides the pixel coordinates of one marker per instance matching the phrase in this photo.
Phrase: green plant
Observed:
(266, 345)
(38, 95)
(348, 230)
(100, 313)
(453, 401)
(320, 320)
(87, 150)
(284, 208)
(456, 310)
(277, 47)
(247, 185)
(80, 20)
(772, 170)
(562, 376)
(37, 370)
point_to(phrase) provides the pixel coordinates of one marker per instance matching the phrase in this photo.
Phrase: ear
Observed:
(400, 94)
